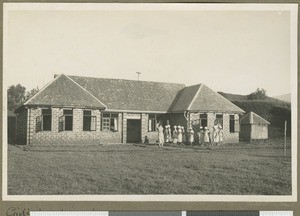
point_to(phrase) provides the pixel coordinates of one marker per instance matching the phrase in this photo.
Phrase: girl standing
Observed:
(206, 136)
(191, 138)
(175, 134)
(179, 134)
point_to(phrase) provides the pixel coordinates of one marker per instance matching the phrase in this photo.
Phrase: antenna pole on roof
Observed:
(138, 73)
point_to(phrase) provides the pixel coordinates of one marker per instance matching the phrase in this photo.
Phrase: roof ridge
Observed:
(251, 119)
(125, 80)
(230, 102)
(85, 90)
(259, 117)
(42, 89)
(195, 96)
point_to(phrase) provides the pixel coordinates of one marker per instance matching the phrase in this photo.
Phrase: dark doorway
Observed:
(133, 130)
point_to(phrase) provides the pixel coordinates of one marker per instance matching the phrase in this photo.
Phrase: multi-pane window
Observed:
(219, 119)
(89, 121)
(110, 122)
(152, 122)
(203, 120)
(44, 122)
(66, 120)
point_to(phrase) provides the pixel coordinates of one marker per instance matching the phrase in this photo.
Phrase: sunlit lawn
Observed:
(256, 168)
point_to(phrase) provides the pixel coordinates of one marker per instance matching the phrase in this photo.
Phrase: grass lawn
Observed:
(256, 168)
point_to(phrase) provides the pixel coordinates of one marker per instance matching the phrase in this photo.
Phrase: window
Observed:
(231, 124)
(44, 121)
(203, 120)
(234, 125)
(89, 121)
(110, 122)
(219, 119)
(66, 121)
(152, 122)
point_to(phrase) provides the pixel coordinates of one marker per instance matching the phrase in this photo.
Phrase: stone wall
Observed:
(76, 136)
(211, 117)
(27, 130)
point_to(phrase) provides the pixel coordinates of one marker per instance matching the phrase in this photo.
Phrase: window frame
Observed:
(62, 120)
(153, 119)
(232, 123)
(108, 119)
(92, 118)
(222, 119)
(42, 120)
(203, 118)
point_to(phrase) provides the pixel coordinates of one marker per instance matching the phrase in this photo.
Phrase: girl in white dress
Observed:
(191, 138)
(206, 136)
(179, 135)
(175, 134)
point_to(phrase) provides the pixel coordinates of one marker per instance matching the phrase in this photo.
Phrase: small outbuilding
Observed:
(253, 127)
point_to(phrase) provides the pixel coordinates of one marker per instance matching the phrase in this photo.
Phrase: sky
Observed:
(233, 51)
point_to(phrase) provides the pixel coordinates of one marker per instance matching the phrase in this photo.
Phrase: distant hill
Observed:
(285, 97)
(237, 97)
(273, 110)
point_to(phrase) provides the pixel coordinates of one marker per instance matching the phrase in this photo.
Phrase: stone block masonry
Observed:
(229, 137)
(28, 131)
(76, 136)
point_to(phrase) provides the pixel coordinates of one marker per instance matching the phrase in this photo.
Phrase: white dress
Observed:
(191, 136)
(179, 136)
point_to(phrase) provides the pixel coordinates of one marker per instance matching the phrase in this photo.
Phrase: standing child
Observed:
(201, 135)
(221, 135)
(206, 136)
(175, 135)
(160, 135)
(215, 134)
(179, 134)
(191, 138)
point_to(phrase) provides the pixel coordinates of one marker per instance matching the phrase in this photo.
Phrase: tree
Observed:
(259, 94)
(17, 94)
(30, 93)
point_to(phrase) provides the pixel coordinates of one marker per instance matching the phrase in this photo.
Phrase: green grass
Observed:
(256, 168)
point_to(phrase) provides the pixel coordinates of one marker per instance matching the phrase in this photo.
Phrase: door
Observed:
(133, 131)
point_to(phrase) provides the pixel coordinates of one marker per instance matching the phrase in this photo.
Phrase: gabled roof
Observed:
(131, 95)
(200, 98)
(63, 91)
(253, 118)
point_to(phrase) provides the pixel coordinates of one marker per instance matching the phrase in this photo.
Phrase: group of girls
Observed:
(206, 137)
(178, 135)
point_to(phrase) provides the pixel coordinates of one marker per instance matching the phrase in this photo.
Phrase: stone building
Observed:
(85, 110)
